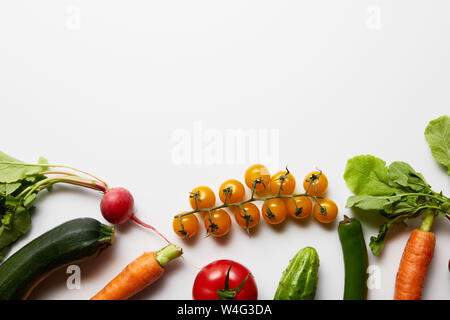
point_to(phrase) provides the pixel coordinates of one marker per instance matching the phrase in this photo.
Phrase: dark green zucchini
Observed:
(69, 242)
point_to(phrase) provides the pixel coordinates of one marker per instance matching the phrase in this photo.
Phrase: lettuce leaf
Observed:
(368, 175)
(13, 170)
(437, 134)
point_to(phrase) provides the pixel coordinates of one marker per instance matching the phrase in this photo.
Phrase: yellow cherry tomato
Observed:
(317, 182)
(326, 212)
(284, 180)
(202, 198)
(258, 175)
(274, 211)
(188, 226)
(232, 191)
(299, 207)
(247, 218)
(218, 224)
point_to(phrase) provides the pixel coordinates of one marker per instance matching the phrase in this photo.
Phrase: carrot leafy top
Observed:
(397, 191)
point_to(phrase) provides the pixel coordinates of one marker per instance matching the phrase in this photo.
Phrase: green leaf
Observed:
(403, 176)
(9, 188)
(19, 225)
(437, 134)
(390, 206)
(43, 160)
(15, 222)
(368, 175)
(399, 205)
(377, 243)
(17, 178)
(369, 203)
(13, 170)
(445, 208)
(6, 219)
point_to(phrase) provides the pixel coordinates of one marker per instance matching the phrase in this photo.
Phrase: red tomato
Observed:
(212, 278)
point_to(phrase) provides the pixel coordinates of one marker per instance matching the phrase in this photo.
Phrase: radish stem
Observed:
(138, 221)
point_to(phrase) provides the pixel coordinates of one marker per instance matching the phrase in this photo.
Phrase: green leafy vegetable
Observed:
(377, 243)
(368, 175)
(390, 206)
(8, 188)
(19, 185)
(437, 134)
(396, 192)
(15, 209)
(406, 178)
(13, 170)
(368, 203)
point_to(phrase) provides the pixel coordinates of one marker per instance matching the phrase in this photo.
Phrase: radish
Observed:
(117, 205)
(21, 183)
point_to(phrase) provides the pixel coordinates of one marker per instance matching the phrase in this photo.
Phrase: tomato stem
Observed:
(313, 180)
(229, 294)
(238, 204)
(212, 228)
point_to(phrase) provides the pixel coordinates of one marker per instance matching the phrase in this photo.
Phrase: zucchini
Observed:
(69, 242)
(299, 280)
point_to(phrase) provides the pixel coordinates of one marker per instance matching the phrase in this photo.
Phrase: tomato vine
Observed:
(257, 184)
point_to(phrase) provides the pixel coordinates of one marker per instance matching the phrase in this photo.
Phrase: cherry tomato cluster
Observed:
(276, 192)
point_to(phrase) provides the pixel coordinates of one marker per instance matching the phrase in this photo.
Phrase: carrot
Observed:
(415, 260)
(139, 274)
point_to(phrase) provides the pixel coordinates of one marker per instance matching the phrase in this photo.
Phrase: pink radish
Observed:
(117, 204)
(117, 207)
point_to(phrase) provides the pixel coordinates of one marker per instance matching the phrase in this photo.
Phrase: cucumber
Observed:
(71, 241)
(299, 280)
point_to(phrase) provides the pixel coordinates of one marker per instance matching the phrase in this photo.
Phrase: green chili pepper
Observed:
(355, 259)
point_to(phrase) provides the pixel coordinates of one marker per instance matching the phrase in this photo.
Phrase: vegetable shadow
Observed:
(90, 268)
(223, 241)
(301, 223)
(372, 218)
(278, 228)
(332, 226)
(191, 242)
(375, 220)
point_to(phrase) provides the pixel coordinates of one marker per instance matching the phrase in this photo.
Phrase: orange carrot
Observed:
(415, 261)
(139, 274)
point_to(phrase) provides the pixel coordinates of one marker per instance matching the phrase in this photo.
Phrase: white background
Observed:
(104, 85)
